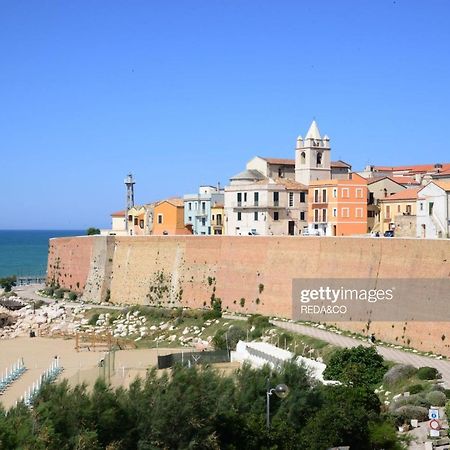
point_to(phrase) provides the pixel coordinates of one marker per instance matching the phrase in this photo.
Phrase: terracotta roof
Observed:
(178, 202)
(288, 184)
(118, 214)
(443, 184)
(407, 194)
(417, 168)
(404, 180)
(291, 184)
(340, 164)
(282, 161)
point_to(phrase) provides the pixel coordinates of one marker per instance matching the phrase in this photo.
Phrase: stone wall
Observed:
(250, 274)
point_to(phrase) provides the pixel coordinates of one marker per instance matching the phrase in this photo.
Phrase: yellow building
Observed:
(398, 212)
(217, 219)
(137, 220)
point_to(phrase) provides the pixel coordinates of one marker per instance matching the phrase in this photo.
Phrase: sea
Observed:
(24, 252)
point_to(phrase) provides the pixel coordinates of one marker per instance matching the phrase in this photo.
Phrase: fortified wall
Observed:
(250, 274)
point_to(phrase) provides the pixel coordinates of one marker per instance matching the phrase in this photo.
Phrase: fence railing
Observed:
(192, 358)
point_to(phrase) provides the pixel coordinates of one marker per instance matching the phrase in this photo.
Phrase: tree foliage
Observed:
(198, 408)
(7, 283)
(358, 366)
(91, 231)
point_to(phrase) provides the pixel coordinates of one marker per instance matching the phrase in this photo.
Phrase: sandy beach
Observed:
(79, 367)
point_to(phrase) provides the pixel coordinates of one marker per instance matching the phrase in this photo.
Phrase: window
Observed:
(371, 198)
(291, 199)
(319, 159)
(430, 208)
(359, 193)
(130, 218)
(141, 224)
(316, 195)
(276, 198)
(190, 206)
(255, 215)
(324, 215)
(345, 193)
(388, 212)
(398, 208)
(212, 217)
(316, 215)
(239, 216)
(345, 212)
(245, 196)
(239, 198)
(302, 158)
(324, 195)
(370, 213)
(408, 210)
(135, 220)
(334, 192)
(190, 219)
(334, 212)
(359, 213)
(203, 206)
(421, 206)
(276, 215)
(219, 220)
(256, 198)
(302, 197)
(203, 221)
(160, 218)
(302, 215)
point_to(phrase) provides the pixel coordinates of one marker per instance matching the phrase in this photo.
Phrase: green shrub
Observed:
(59, 293)
(258, 321)
(8, 283)
(49, 291)
(72, 296)
(436, 398)
(447, 393)
(428, 373)
(415, 388)
(412, 400)
(408, 412)
(227, 339)
(93, 319)
(398, 373)
(358, 366)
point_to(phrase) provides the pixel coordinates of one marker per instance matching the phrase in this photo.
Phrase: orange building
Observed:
(338, 207)
(168, 217)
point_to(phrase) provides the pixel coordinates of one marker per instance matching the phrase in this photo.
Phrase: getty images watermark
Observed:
(365, 299)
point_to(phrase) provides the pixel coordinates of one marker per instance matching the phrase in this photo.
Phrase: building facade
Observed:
(398, 213)
(338, 207)
(168, 218)
(433, 207)
(265, 207)
(379, 188)
(198, 209)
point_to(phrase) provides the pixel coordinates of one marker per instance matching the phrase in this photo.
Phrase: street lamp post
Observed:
(281, 391)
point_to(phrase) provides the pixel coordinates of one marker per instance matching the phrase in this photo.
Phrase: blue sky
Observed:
(185, 92)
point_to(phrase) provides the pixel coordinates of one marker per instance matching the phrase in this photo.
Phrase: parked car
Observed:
(307, 232)
(389, 233)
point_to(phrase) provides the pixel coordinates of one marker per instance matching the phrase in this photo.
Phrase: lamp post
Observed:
(281, 391)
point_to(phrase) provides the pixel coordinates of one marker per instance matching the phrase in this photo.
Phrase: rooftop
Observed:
(407, 194)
